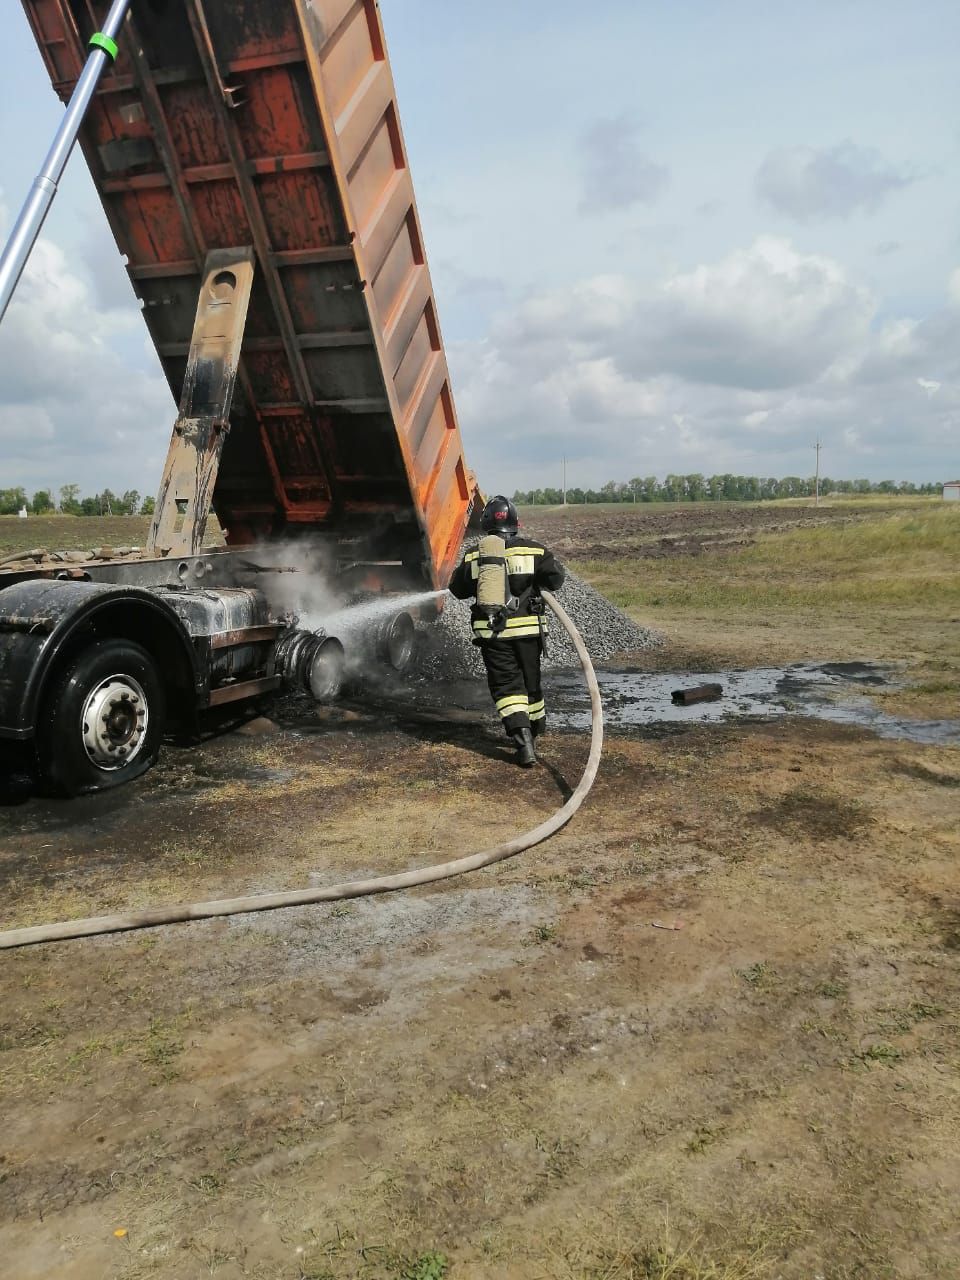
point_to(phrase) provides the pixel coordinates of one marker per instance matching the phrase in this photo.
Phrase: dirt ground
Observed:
(711, 1031)
(652, 531)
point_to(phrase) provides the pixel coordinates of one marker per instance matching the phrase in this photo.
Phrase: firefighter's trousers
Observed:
(513, 674)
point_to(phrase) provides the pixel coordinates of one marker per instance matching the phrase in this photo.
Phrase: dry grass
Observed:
(906, 559)
(606, 1250)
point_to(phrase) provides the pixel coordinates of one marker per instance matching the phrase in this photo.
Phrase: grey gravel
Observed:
(446, 650)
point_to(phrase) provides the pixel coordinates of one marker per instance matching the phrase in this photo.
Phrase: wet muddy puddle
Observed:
(831, 691)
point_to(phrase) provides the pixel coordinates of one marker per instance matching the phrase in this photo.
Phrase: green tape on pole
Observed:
(99, 41)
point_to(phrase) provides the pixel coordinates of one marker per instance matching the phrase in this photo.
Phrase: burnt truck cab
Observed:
(99, 663)
(88, 671)
(94, 673)
(252, 167)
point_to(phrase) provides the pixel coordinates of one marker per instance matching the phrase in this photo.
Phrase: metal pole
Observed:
(816, 501)
(37, 204)
(564, 480)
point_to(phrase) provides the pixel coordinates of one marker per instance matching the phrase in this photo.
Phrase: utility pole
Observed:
(564, 479)
(816, 500)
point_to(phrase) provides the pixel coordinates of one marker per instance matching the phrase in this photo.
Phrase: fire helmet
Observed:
(500, 516)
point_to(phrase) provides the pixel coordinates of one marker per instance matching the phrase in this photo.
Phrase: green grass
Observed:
(831, 990)
(373, 1262)
(544, 933)
(857, 502)
(71, 533)
(430, 1266)
(885, 1053)
(899, 560)
(760, 976)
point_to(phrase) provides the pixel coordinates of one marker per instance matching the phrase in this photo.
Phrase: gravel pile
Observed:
(447, 652)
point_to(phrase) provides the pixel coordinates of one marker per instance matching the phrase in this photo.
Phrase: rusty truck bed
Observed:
(274, 123)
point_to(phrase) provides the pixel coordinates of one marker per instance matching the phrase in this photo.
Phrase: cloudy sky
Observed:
(685, 237)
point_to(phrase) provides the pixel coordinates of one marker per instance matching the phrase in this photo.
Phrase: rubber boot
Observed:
(526, 754)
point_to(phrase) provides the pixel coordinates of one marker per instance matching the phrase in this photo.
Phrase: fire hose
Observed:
(154, 916)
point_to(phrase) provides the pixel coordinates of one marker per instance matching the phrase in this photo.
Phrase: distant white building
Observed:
(951, 491)
(22, 513)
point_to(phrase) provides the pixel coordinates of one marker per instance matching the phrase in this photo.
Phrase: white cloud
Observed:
(737, 364)
(759, 318)
(74, 405)
(24, 423)
(762, 317)
(757, 418)
(596, 389)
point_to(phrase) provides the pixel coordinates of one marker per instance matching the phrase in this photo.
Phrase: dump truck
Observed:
(251, 164)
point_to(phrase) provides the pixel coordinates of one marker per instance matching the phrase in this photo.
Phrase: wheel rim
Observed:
(399, 641)
(114, 722)
(326, 670)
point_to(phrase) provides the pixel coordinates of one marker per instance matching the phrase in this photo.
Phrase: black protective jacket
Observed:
(531, 567)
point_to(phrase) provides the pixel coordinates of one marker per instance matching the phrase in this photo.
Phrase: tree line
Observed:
(725, 488)
(69, 502)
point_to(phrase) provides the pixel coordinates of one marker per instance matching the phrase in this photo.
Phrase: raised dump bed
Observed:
(274, 124)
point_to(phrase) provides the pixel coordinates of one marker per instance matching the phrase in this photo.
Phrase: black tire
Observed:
(103, 718)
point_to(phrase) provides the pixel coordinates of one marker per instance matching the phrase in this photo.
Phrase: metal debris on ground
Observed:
(701, 693)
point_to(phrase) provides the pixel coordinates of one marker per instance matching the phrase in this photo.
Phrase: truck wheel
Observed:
(398, 642)
(103, 718)
(326, 671)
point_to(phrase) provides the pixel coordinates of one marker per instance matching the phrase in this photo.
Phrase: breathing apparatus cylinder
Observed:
(492, 576)
(493, 583)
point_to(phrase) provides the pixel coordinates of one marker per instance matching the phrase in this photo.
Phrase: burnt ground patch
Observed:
(819, 815)
(924, 773)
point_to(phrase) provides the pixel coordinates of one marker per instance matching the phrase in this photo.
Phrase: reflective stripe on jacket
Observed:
(515, 629)
(530, 568)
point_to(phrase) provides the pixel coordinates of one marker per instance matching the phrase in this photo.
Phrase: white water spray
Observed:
(352, 618)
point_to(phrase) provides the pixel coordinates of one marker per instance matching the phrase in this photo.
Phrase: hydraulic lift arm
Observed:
(190, 473)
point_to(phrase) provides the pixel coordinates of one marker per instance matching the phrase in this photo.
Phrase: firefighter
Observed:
(504, 575)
